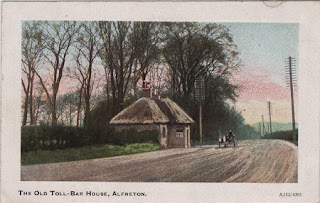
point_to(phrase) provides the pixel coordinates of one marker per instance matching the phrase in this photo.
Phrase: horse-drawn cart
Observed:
(226, 140)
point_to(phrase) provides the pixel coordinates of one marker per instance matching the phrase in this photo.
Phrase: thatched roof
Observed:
(152, 111)
(173, 111)
(143, 111)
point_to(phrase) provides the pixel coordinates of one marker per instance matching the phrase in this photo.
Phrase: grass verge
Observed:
(87, 152)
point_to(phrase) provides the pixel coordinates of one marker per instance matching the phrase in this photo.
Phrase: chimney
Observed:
(146, 89)
(156, 94)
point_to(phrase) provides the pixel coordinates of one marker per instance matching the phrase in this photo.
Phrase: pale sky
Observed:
(263, 49)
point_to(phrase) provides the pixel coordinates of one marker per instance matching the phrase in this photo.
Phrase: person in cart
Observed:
(230, 136)
(227, 139)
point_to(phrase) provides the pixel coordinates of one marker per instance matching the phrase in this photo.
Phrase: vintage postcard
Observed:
(160, 102)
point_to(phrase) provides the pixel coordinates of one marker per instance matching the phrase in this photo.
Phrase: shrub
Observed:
(132, 136)
(284, 135)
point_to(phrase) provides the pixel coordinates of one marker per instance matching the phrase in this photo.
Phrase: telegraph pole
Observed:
(269, 104)
(260, 129)
(200, 122)
(291, 81)
(200, 96)
(263, 126)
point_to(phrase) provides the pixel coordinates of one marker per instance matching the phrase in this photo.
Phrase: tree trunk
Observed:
(87, 110)
(31, 100)
(54, 120)
(70, 116)
(25, 111)
(79, 106)
(37, 113)
(26, 101)
(108, 95)
(135, 88)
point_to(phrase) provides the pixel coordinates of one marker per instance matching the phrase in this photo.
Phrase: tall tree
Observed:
(31, 56)
(147, 35)
(120, 48)
(192, 50)
(59, 37)
(87, 49)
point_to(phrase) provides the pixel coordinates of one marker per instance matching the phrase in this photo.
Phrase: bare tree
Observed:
(59, 37)
(87, 49)
(119, 52)
(31, 55)
(148, 54)
(74, 75)
(157, 75)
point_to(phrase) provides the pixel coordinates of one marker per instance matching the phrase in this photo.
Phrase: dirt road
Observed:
(251, 161)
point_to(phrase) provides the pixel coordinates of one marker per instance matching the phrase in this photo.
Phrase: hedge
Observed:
(283, 135)
(45, 137)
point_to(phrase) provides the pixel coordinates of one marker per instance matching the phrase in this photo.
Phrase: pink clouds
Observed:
(258, 86)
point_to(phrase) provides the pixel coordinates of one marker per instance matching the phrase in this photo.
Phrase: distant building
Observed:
(151, 113)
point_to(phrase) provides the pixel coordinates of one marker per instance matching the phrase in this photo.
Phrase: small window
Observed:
(179, 132)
